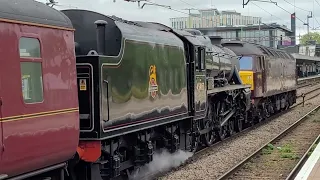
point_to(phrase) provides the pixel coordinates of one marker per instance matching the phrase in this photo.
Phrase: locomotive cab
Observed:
(246, 70)
(252, 66)
(252, 72)
(85, 91)
(90, 48)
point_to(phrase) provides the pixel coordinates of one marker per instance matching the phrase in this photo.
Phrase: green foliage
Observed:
(311, 36)
(286, 152)
(312, 149)
(268, 149)
(289, 156)
(286, 148)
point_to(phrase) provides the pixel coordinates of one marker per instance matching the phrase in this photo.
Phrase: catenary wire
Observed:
(266, 11)
(290, 13)
(296, 6)
(313, 12)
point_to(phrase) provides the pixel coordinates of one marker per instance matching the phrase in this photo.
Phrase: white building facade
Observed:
(212, 18)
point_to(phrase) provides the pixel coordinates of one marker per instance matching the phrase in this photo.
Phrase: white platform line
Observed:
(308, 166)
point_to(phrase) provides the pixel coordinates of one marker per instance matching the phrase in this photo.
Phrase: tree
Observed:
(315, 36)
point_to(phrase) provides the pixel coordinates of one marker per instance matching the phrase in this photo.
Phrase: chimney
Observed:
(101, 36)
(215, 39)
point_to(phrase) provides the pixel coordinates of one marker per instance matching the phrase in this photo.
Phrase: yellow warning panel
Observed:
(247, 78)
(83, 84)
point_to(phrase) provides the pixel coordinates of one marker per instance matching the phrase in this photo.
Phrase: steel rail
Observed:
(279, 136)
(303, 85)
(302, 161)
(309, 92)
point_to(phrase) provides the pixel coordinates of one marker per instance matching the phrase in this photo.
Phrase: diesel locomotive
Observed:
(271, 73)
(89, 96)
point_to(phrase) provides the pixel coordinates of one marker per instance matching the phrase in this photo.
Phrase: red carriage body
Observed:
(39, 124)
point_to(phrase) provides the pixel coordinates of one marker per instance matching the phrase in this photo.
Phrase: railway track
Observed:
(300, 102)
(272, 117)
(308, 95)
(302, 161)
(276, 159)
(304, 85)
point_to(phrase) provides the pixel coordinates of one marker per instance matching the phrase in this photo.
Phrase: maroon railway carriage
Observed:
(39, 125)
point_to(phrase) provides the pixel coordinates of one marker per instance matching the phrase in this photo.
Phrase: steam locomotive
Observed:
(92, 96)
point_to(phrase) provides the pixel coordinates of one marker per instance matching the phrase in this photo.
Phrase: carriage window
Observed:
(31, 72)
(258, 64)
(196, 58)
(29, 48)
(202, 58)
(246, 63)
(261, 60)
(32, 88)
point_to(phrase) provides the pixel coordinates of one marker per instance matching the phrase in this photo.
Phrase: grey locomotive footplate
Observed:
(226, 88)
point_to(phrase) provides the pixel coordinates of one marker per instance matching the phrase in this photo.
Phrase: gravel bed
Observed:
(278, 160)
(218, 160)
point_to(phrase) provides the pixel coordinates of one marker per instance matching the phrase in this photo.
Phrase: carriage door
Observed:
(85, 96)
(263, 72)
(200, 83)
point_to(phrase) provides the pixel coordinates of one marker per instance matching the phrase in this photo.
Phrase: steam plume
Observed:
(162, 161)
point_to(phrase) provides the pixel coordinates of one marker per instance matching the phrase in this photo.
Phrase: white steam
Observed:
(162, 161)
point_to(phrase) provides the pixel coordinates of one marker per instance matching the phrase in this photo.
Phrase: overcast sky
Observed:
(130, 10)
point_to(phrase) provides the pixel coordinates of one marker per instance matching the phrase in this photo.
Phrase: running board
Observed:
(38, 172)
(3, 176)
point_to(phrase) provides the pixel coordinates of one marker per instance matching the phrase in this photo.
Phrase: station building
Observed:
(270, 35)
(307, 58)
(212, 17)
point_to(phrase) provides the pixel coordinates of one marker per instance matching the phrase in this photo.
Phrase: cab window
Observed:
(246, 63)
(200, 56)
(31, 70)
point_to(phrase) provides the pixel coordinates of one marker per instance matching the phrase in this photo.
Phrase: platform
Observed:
(311, 168)
(303, 58)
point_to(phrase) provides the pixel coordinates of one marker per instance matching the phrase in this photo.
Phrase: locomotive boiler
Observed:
(222, 64)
